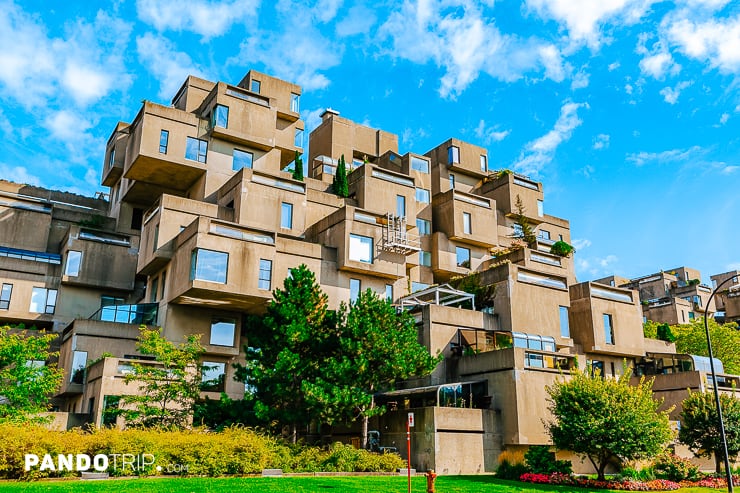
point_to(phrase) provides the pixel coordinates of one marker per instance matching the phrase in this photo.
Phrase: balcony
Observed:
(115, 155)
(141, 314)
(466, 218)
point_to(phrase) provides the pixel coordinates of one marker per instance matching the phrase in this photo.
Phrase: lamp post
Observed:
(728, 471)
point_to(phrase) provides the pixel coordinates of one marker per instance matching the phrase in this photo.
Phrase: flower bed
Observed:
(625, 485)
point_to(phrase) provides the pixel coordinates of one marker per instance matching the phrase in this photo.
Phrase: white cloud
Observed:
(312, 119)
(613, 66)
(723, 119)
(18, 174)
(359, 20)
(463, 43)
(713, 41)
(169, 66)
(601, 141)
(584, 18)
(66, 126)
(733, 266)
(206, 18)
(628, 88)
(728, 170)
(580, 80)
(672, 155)
(410, 136)
(539, 152)
(596, 266)
(581, 243)
(587, 171)
(488, 135)
(671, 94)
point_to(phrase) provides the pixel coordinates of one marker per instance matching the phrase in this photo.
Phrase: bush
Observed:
(562, 249)
(541, 460)
(644, 474)
(675, 468)
(511, 465)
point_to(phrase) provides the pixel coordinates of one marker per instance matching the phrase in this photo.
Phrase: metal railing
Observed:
(141, 314)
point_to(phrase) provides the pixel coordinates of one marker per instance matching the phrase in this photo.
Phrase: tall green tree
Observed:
(169, 388)
(378, 346)
(298, 167)
(286, 349)
(26, 380)
(700, 426)
(692, 339)
(606, 418)
(340, 184)
(524, 229)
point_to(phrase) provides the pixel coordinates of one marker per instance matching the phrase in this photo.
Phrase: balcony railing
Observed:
(47, 258)
(141, 314)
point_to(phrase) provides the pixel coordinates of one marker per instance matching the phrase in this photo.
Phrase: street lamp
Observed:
(728, 471)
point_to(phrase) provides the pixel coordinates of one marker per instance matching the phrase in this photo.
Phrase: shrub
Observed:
(511, 465)
(562, 249)
(675, 468)
(541, 460)
(644, 474)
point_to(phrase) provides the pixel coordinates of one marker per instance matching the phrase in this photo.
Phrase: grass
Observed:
(343, 484)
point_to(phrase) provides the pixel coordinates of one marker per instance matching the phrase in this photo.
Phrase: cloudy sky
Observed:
(627, 110)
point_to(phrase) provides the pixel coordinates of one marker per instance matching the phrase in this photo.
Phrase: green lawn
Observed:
(344, 484)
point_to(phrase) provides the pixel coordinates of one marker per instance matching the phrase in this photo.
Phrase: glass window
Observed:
(354, 289)
(361, 248)
(467, 223)
(483, 163)
(5, 293)
(452, 181)
(596, 368)
(295, 100)
(156, 238)
(564, 323)
(400, 206)
(540, 208)
(544, 234)
(453, 155)
(255, 86)
(111, 157)
(425, 258)
(265, 277)
(196, 150)
(424, 226)
(154, 291)
(422, 195)
(418, 164)
(389, 292)
(608, 329)
(214, 376)
(242, 159)
(286, 215)
(74, 259)
(79, 362)
(418, 286)
(463, 257)
(164, 140)
(209, 265)
(518, 231)
(298, 141)
(220, 116)
(691, 315)
(164, 279)
(223, 331)
(43, 300)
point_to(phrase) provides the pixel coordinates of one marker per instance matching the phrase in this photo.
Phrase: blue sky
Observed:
(627, 110)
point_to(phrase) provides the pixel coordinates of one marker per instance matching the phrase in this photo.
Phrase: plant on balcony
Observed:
(340, 184)
(484, 295)
(523, 230)
(699, 430)
(25, 387)
(664, 333)
(562, 249)
(607, 418)
(298, 167)
(694, 282)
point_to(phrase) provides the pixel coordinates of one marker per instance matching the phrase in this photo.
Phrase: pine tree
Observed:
(298, 167)
(525, 232)
(340, 185)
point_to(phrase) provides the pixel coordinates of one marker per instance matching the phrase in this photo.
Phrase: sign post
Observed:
(409, 425)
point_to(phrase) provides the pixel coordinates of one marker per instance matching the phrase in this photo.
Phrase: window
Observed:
(154, 291)
(463, 257)
(354, 289)
(137, 217)
(389, 292)
(265, 278)
(418, 164)
(74, 258)
(79, 362)
(418, 286)
(400, 206)
(608, 329)
(298, 141)
(452, 181)
(164, 139)
(255, 86)
(164, 279)
(425, 258)
(209, 265)
(43, 300)
(223, 331)
(453, 155)
(111, 157)
(196, 150)
(518, 231)
(691, 315)
(295, 100)
(214, 376)
(286, 215)
(483, 163)
(361, 248)
(422, 195)
(596, 368)
(543, 234)
(467, 223)
(242, 159)
(540, 208)
(156, 238)
(424, 226)
(220, 116)
(564, 323)
(5, 293)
